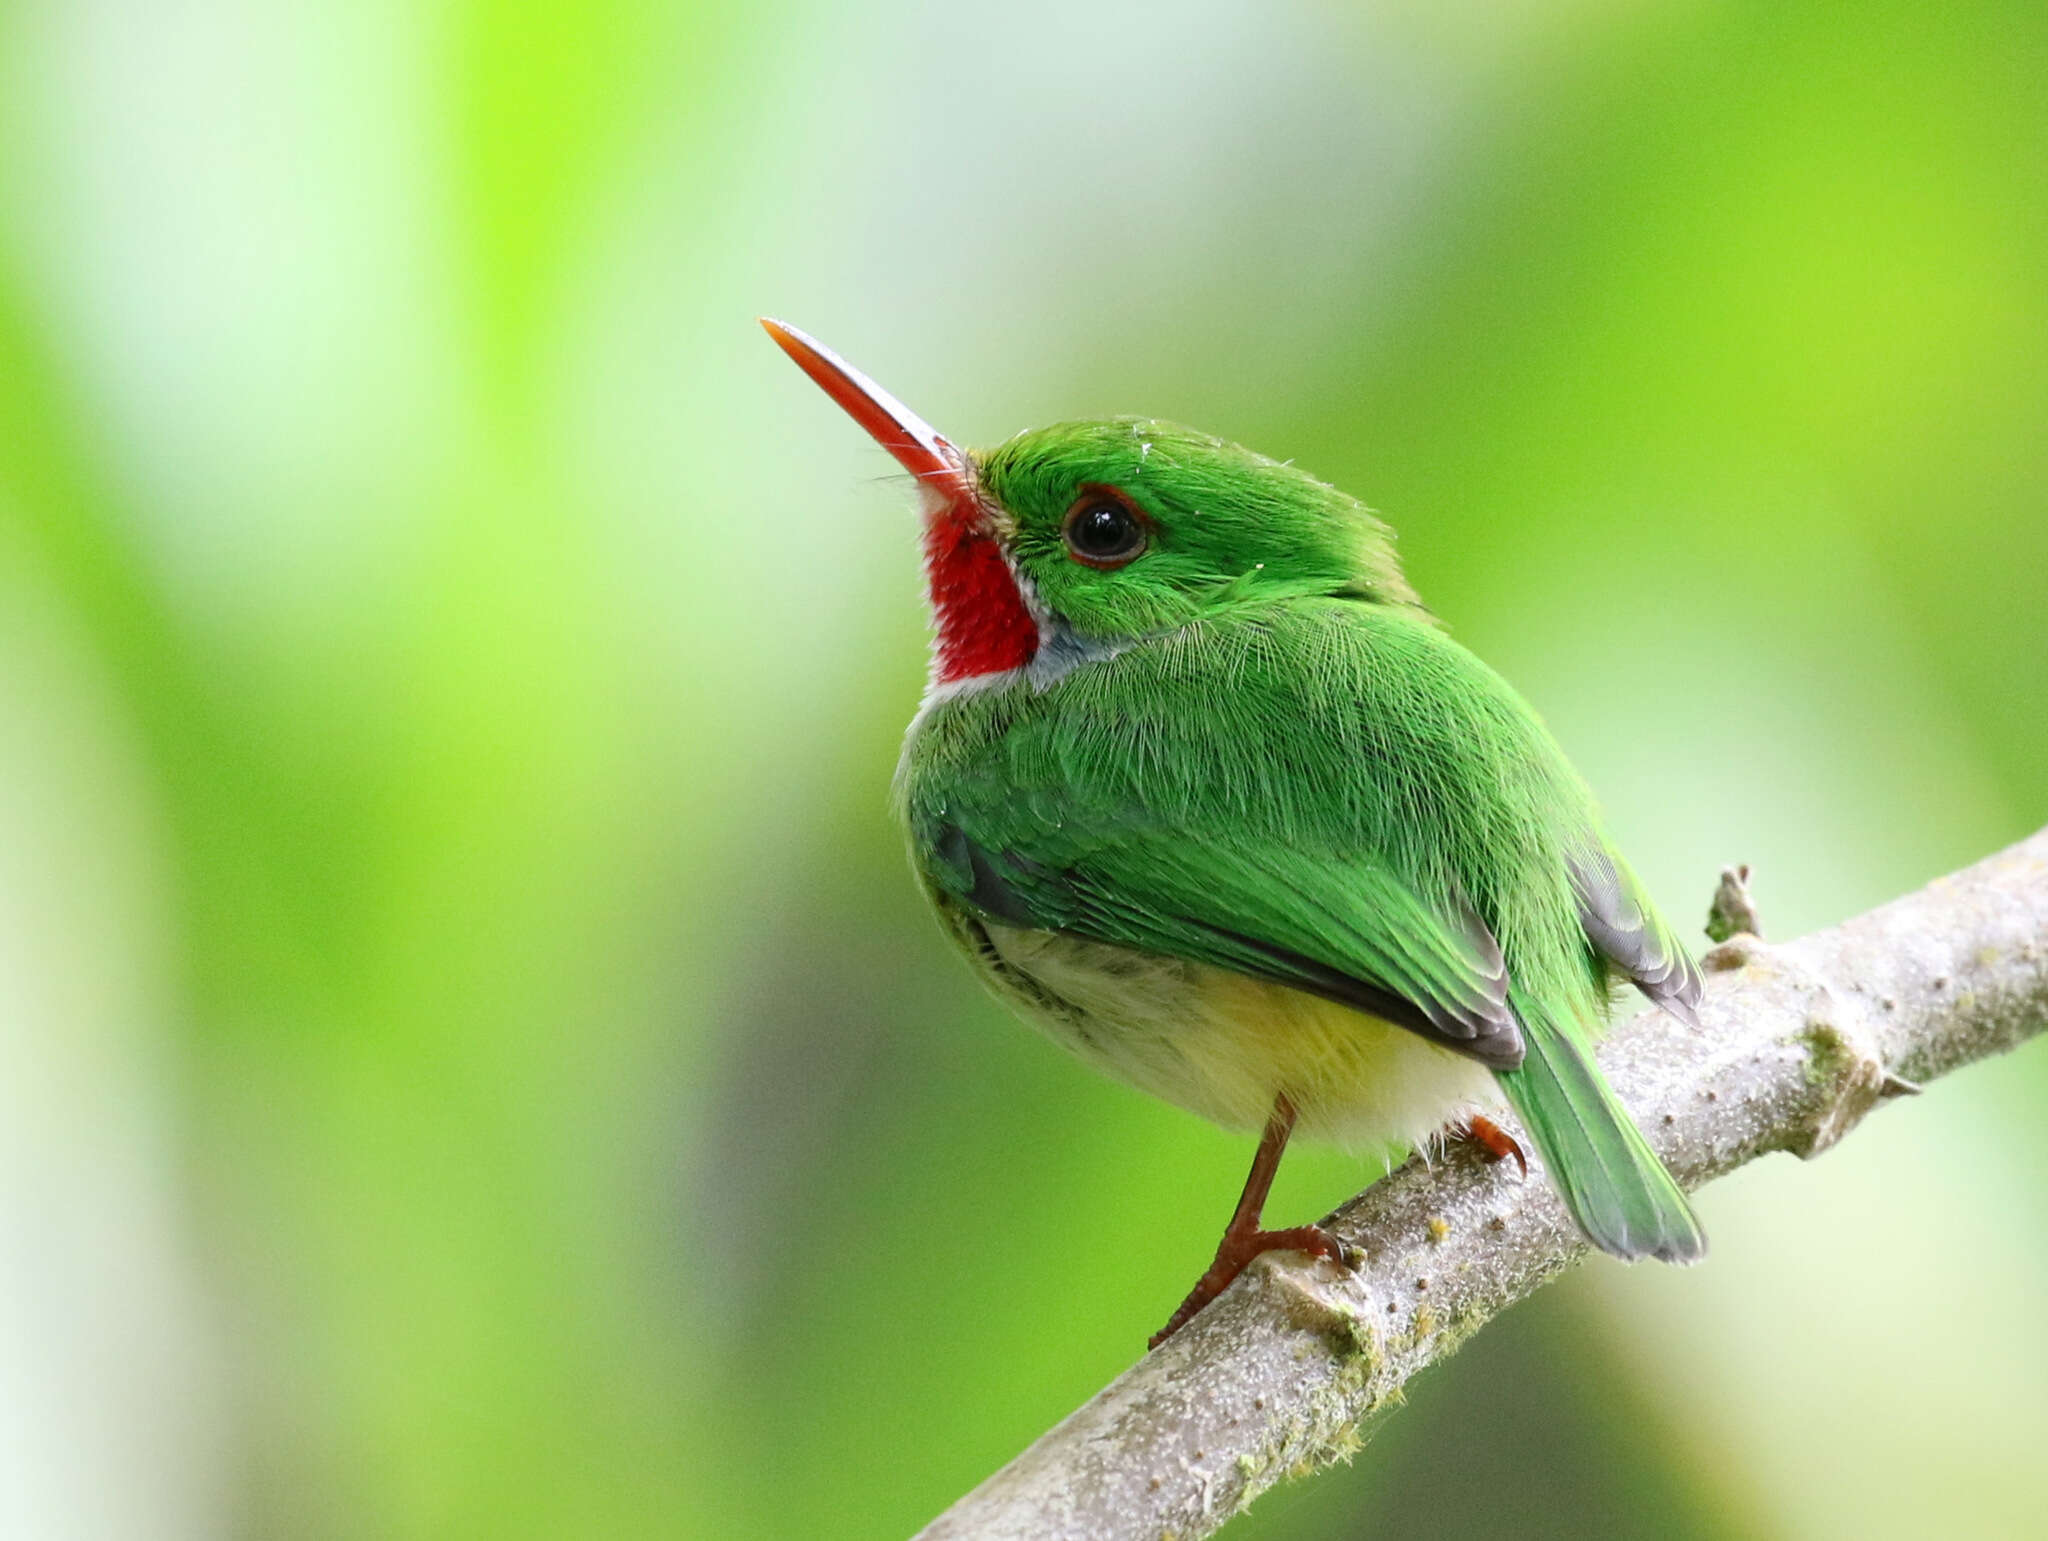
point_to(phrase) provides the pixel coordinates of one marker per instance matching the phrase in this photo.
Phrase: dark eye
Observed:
(1102, 530)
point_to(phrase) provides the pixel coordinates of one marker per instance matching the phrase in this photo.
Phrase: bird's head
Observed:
(1088, 535)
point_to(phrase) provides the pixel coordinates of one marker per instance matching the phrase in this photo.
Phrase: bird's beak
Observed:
(921, 449)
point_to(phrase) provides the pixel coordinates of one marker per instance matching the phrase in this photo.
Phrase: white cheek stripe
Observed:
(1059, 653)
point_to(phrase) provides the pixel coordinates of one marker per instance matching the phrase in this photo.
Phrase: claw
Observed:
(1235, 1253)
(1494, 1142)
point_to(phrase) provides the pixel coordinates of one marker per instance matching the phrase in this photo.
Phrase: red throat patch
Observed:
(983, 624)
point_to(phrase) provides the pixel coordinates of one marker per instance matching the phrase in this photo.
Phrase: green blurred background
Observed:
(472, 1061)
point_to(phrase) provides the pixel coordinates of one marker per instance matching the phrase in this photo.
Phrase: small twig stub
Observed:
(1733, 912)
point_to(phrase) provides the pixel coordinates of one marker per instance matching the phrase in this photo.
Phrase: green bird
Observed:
(1202, 789)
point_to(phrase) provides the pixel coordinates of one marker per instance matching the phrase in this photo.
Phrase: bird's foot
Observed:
(1235, 1252)
(1494, 1142)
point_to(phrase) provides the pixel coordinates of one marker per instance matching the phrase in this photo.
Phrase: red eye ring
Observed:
(1104, 529)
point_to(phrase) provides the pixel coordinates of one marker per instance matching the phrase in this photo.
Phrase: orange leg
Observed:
(1242, 1238)
(1493, 1141)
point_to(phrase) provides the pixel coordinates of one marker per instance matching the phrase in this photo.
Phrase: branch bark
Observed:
(1797, 1043)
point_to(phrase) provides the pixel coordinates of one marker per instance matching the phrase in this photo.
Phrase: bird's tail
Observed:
(1613, 1183)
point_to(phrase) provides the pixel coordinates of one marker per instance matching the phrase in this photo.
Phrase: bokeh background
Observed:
(471, 1059)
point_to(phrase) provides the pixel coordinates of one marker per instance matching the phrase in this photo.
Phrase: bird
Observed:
(1202, 789)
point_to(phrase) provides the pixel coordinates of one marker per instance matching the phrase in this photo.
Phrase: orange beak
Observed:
(919, 447)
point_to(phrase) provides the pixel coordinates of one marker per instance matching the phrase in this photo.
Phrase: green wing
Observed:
(1341, 928)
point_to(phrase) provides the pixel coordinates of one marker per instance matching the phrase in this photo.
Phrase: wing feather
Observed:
(1342, 928)
(1629, 934)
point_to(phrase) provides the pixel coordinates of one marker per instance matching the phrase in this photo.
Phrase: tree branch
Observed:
(1797, 1043)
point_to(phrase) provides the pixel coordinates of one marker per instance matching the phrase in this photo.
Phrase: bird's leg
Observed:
(1242, 1238)
(1494, 1142)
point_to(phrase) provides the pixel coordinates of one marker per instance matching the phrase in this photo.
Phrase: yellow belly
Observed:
(1224, 1045)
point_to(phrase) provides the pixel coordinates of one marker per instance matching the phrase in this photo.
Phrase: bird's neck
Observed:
(981, 620)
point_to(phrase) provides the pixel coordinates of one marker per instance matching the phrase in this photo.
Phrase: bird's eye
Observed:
(1103, 530)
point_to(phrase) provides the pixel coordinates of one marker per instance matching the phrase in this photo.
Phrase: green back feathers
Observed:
(1327, 731)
